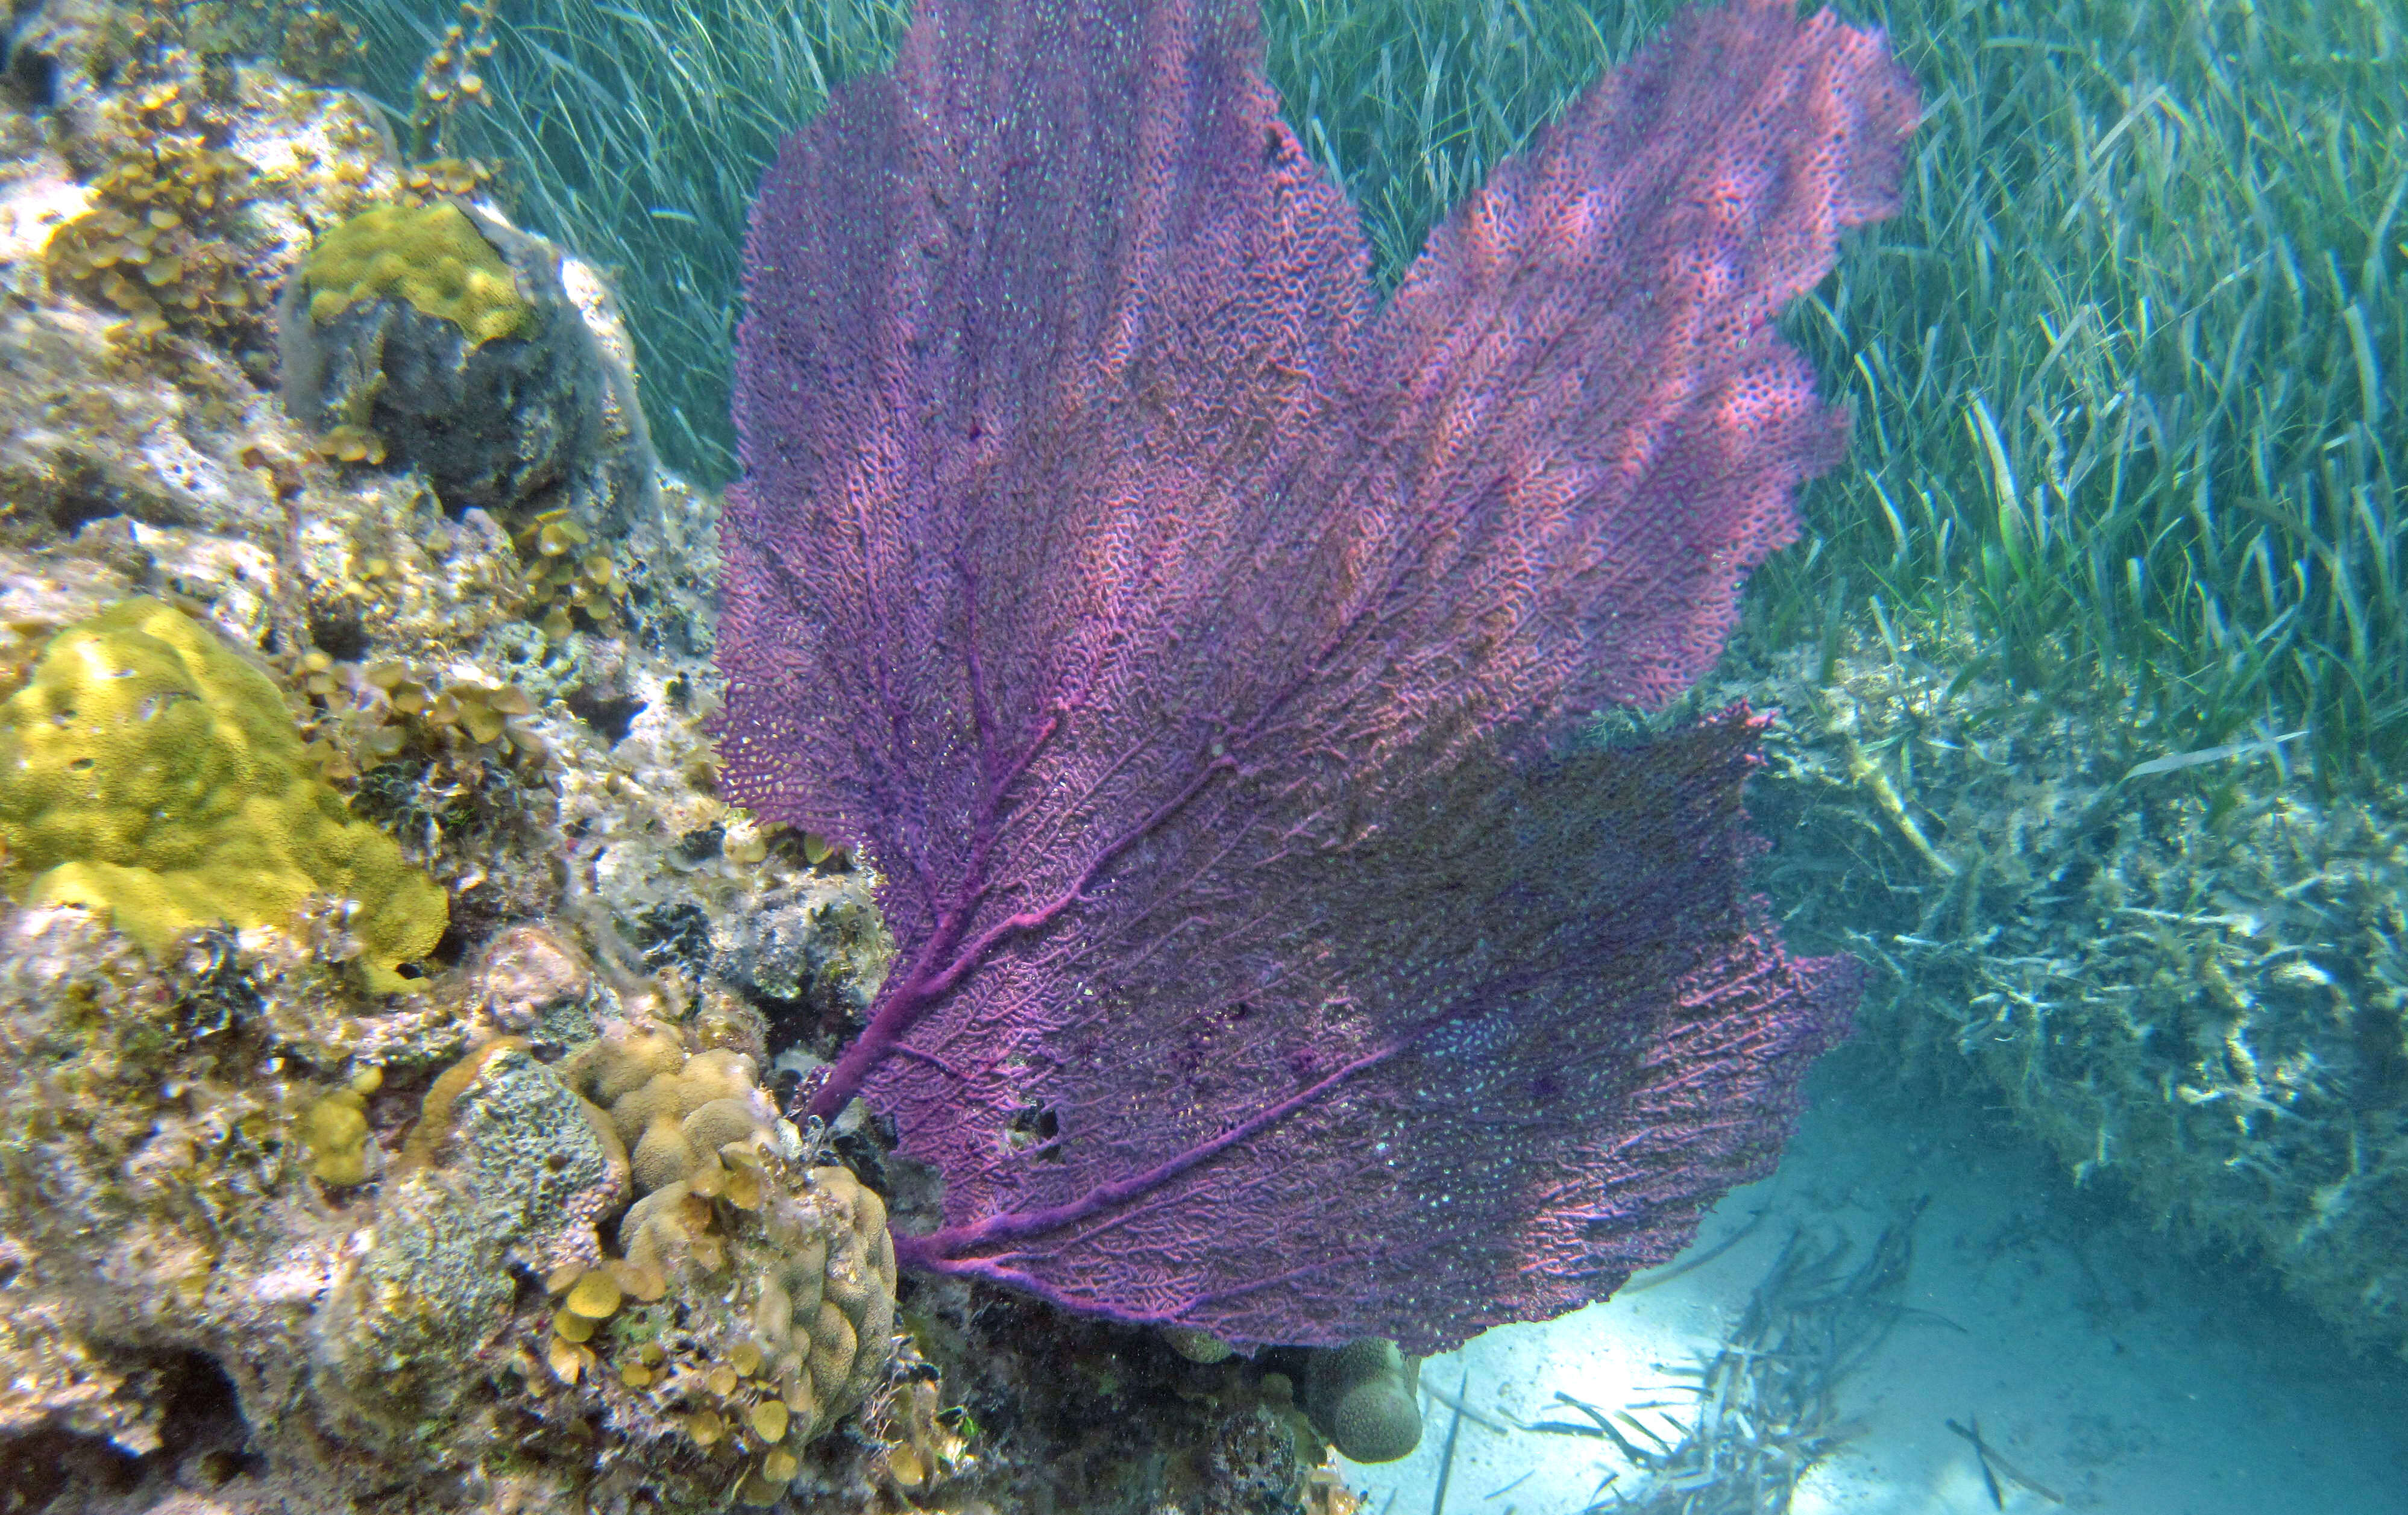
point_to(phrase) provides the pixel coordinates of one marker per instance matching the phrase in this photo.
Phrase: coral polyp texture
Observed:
(430, 256)
(151, 774)
(1199, 649)
(721, 1186)
(1364, 1398)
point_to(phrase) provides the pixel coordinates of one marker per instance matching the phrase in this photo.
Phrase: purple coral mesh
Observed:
(1197, 651)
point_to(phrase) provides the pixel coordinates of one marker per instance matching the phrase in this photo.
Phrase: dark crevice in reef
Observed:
(341, 637)
(36, 1467)
(612, 713)
(202, 1430)
(1081, 1414)
(203, 1441)
(31, 76)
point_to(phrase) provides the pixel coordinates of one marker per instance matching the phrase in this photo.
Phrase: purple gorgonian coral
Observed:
(1198, 649)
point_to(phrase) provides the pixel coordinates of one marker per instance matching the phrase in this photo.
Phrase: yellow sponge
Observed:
(430, 256)
(147, 772)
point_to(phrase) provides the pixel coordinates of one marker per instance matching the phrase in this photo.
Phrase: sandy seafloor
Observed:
(2102, 1362)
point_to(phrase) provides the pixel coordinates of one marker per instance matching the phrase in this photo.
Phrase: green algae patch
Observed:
(151, 774)
(430, 256)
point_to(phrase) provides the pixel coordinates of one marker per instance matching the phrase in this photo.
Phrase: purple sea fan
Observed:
(1197, 651)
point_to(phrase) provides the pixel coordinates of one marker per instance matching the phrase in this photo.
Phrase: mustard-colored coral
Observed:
(727, 1192)
(335, 1130)
(430, 256)
(147, 772)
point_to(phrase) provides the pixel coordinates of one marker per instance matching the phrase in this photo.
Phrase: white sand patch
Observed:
(33, 207)
(2102, 1364)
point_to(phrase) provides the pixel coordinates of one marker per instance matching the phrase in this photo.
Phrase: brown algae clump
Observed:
(154, 243)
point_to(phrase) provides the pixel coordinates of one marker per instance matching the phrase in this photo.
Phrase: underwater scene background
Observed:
(487, 771)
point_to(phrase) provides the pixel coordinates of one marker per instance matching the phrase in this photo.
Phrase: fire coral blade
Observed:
(1192, 649)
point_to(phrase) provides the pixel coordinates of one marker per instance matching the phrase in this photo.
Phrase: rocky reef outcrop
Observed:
(492, 1204)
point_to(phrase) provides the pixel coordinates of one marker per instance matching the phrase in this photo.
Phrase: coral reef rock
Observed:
(2187, 980)
(439, 1312)
(525, 1234)
(442, 337)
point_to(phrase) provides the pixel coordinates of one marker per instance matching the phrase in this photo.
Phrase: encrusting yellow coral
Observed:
(430, 256)
(151, 774)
